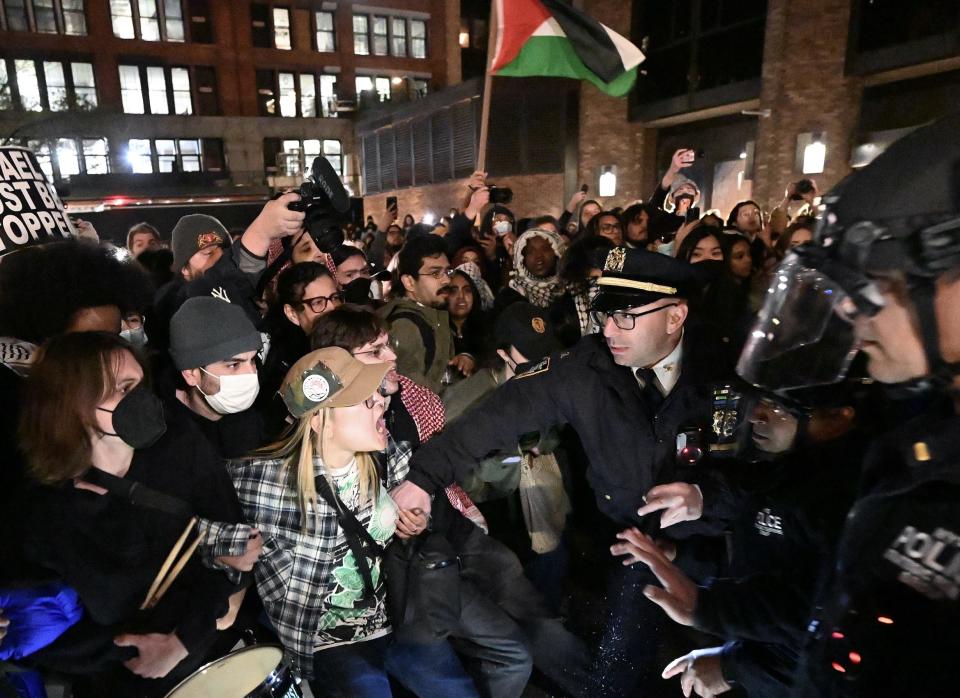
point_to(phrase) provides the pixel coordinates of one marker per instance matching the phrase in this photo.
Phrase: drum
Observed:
(251, 672)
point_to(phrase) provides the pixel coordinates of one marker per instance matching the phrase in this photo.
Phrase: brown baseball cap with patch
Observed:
(329, 377)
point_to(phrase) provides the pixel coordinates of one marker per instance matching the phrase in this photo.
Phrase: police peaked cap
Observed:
(634, 277)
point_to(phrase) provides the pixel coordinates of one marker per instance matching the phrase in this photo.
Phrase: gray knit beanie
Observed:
(193, 233)
(206, 330)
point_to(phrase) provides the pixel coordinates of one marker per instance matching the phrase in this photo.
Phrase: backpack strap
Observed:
(426, 334)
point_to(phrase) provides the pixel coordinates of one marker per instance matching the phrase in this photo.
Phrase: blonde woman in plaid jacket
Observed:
(327, 606)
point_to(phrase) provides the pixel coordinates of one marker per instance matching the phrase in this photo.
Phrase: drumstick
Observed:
(168, 562)
(174, 573)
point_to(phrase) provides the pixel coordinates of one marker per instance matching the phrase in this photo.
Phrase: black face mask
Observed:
(138, 418)
(709, 269)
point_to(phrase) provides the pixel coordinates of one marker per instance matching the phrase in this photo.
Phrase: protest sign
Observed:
(30, 209)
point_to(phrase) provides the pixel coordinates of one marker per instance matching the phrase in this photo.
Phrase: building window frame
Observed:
(69, 16)
(13, 94)
(322, 32)
(361, 38)
(88, 154)
(165, 21)
(173, 98)
(418, 42)
(174, 155)
(297, 154)
(292, 93)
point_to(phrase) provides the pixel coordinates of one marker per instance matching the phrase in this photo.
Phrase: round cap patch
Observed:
(316, 388)
(538, 326)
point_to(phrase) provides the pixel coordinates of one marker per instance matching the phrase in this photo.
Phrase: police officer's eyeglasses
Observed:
(319, 303)
(623, 319)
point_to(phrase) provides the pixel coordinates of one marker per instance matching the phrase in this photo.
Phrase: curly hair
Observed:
(43, 287)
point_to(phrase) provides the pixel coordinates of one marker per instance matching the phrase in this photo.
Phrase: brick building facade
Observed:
(751, 84)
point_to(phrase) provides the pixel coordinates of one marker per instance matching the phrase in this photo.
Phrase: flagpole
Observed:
(487, 89)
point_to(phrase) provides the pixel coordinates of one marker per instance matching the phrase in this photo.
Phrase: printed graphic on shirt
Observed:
(768, 523)
(351, 613)
(928, 562)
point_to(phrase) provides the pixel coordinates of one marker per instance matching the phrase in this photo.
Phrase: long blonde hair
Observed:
(298, 446)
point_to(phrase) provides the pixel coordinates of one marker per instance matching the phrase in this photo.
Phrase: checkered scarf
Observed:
(276, 249)
(426, 410)
(540, 292)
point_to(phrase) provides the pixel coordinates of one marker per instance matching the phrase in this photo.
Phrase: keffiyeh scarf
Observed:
(426, 409)
(541, 292)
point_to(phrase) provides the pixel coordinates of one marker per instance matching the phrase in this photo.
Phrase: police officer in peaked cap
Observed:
(627, 392)
(884, 278)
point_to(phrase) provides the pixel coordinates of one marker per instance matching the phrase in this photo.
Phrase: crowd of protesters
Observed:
(212, 441)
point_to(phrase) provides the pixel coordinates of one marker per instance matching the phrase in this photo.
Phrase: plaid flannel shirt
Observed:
(295, 566)
(220, 539)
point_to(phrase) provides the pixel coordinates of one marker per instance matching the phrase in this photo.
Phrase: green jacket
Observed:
(408, 341)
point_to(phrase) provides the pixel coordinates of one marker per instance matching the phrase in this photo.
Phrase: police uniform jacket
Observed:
(888, 623)
(789, 515)
(629, 449)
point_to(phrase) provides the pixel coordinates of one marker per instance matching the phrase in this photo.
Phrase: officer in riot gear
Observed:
(884, 279)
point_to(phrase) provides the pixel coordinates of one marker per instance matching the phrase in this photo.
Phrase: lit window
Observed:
(421, 87)
(42, 150)
(288, 94)
(308, 95)
(332, 150)
(84, 86)
(68, 159)
(95, 156)
(182, 102)
(130, 90)
(140, 156)
(44, 16)
(28, 85)
(418, 38)
(328, 94)
(173, 20)
(157, 90)
(364, 84)
(398, 43)
(189, 155)
(383, 88)
(74, 20)
(379, 36)
(121, 14)
(56, 86)
(281, 28)
(149, 20)
(326, 35)
(6, 102)
(166, 155)
(361, 37)
(291, 155)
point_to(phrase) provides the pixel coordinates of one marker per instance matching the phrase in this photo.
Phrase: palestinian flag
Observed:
(550, 38)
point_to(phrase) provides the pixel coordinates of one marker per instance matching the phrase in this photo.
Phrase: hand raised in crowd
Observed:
(85, 230)
(700, 671)
(806, 197)
(409, 496)
(477, 180)
(245, 562)
(410, 523)
(464, 363)
(158, 653)
(579, 196)
(4, 624)
(678, 597)
(681, 159)
(478, 201)
(274, 221)
(387, 218)
(680, 501)
(489, 244)
(509, 240)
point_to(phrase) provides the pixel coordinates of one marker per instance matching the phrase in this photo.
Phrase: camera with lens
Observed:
(500, 195)
(325, 203)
